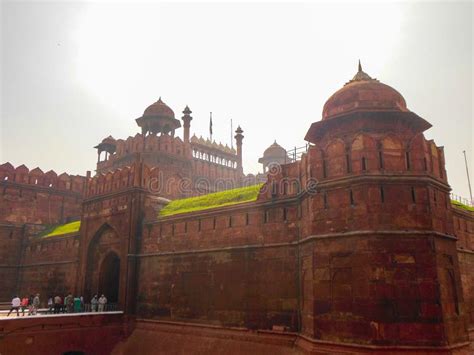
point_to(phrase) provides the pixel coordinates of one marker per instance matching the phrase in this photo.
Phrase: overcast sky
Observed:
(73, 73)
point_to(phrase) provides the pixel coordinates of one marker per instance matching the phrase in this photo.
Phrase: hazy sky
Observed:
(75, 72)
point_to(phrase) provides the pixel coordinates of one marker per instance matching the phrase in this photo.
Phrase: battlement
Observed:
(111, 181)
(126, 149)
(37, 178)
(135, 175)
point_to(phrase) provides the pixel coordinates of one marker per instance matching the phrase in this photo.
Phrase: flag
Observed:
(210, 126)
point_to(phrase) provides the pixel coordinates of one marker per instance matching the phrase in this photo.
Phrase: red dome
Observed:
(158, 108)
(363, 93)
(274, 151)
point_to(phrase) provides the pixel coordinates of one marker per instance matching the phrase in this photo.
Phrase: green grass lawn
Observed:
(463, 206)
(217, 199)
(61, 229)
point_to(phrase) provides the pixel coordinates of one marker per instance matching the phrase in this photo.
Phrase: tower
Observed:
(186, 123)
(238, 142)
(383, 260)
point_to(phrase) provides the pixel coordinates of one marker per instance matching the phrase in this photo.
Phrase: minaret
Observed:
(186, 123)
(238, 142)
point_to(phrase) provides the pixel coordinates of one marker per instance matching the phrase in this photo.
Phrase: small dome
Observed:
(109, 140)
(274, 151)
(159, 108)
(363, 93)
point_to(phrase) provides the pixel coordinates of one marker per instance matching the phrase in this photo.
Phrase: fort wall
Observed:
(11, 247)
(90, 334)
(49, 266)
(30, 201)
(357, 269)
(463, 222)
(340, 260)
(221, 267)
(37, 197)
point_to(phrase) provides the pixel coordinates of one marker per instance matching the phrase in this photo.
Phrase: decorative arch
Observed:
(363, 153)
(393, 154)
(334, 158)
(418, 149)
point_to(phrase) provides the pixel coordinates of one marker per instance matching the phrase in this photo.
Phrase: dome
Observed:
(274, 151)
(109, 140)
(274, 154)
(363, 93)
(159, 108)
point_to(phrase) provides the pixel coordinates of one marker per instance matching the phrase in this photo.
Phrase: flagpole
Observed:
(467, 173)
(231, 135)
(210, 127)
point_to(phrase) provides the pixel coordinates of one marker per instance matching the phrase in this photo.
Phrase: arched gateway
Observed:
(109, 277)
(103, 265)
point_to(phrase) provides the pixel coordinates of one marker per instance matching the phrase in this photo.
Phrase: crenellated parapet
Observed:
(138, 175)
(152, 146)
(37, 197)
(37, 178)
(112, 181)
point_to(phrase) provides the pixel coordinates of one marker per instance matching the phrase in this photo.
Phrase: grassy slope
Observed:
(217, 199)
(462, 206)
(67, 228)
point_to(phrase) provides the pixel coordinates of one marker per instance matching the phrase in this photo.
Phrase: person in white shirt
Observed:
(102, 303)
(94, 302)
(16, 302)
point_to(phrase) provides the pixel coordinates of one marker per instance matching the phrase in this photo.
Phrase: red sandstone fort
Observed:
(352, 247)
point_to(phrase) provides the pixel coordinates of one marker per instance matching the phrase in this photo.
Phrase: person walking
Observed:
(94, 303)
(102, 303)
(16, 302)
(30, 305)
(24, 305)
(64, 305)
(50, 304)
(36, 303)
(77, 304)
(69, 303)
(57, 304)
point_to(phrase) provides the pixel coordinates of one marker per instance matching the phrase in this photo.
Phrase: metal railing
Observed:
(86, 307)
(295, 153)
(463, 200)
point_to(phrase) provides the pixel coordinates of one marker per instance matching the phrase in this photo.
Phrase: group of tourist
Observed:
(68, 304)
(31, 303)
(57, 304)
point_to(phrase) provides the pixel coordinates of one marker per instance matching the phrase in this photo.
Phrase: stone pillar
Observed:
(238, 140)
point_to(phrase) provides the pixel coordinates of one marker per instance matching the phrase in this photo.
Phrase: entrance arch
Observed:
(102, 272)
(109, 277)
